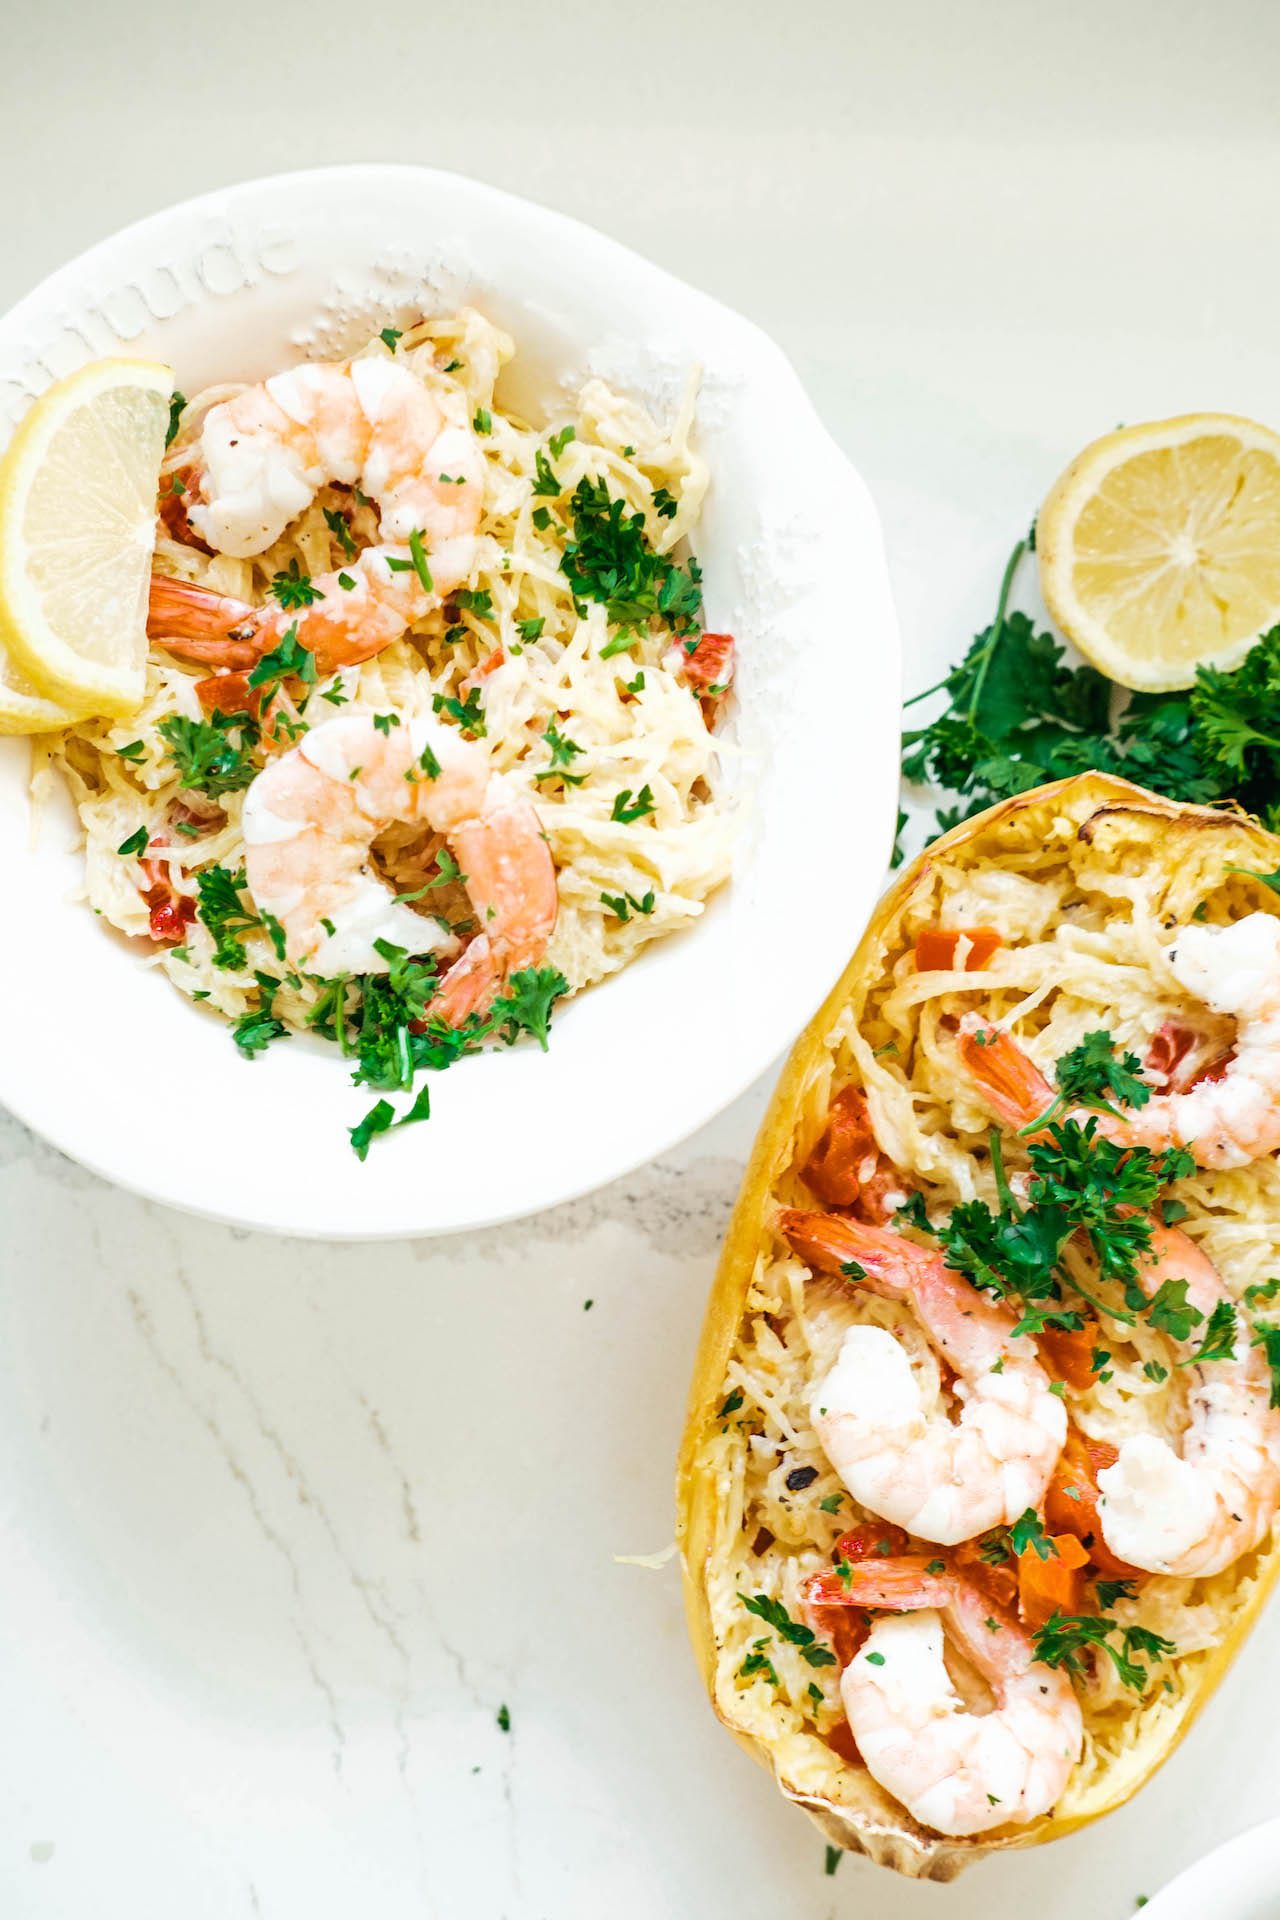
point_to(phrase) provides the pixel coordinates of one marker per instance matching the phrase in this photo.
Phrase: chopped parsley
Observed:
(563, 750)
(136, 844)
(531, 629)
(176, 404)
(390, 336)
(625, 809)
(468, 713)
(293, 589)
(803, 1638)
(559, 441)
(1268, 1338)
(665, 504)
(623, 905)
(223, 912)
(545, 480)
(382, 1118)
(418, 555)
(215, 755)
(1063, 1639)
(135, 752)
(1028, 1532)
(289, 660)
(392, 1037)
(255, 1031)
(477, 600)
(482, 420)
(337, 525)
(609, 560)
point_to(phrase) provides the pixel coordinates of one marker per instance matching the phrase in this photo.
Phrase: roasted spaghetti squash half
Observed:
(1046, 920)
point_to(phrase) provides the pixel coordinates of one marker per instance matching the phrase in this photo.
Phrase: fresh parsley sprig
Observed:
(1017, 715)
(1091, 1075)
(1064, 1639)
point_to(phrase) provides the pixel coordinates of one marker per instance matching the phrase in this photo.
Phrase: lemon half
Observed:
(77, 530)
(1160, 547)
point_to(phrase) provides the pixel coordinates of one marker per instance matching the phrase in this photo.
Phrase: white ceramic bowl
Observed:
(106, 1061)
(1237, 1881)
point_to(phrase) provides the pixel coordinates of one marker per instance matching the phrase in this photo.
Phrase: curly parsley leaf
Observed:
(608, 559)
(525, 1005)
(221, 909)
(1016, 715)
(1091, 1075)
(215, 755)
(1064, 1638)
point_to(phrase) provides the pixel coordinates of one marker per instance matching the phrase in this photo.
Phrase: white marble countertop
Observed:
(284, 1527)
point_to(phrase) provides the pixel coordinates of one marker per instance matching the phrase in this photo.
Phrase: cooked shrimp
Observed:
(260, 461)
(1011, 1084)
(900, 1459)
(955, 1770)
(1231, 1115)
(1193, 1506)
(1229, 1121)
(311, 816)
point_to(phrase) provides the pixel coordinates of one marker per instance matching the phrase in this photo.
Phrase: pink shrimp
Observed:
(953, 1769)
(312, 814)
(260, 461)
(1194, 1505)
(1230, 1115)
(899, 1459)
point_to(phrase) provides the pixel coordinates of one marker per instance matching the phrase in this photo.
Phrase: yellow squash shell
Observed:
(1180, 854)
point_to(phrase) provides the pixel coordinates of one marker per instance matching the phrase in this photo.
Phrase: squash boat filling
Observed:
(1047, 921)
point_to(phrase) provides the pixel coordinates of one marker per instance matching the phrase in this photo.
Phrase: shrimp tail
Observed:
(1014, 1089)
(469, 985)
(198, 624)
(831, 1244)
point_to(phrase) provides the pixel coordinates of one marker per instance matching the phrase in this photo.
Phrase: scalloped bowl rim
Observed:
(125, 1075)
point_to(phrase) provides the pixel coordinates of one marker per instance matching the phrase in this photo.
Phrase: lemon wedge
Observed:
(23, 710)
(1160, 548)
(77, 529)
